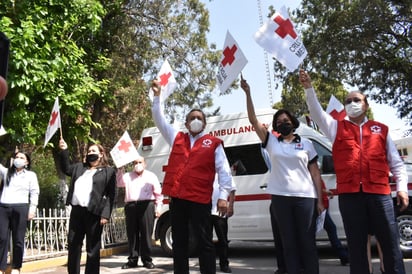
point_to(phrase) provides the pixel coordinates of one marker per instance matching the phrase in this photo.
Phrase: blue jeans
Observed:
(362, 211)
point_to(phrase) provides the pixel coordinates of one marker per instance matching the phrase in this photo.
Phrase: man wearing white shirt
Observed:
(363, 155)
(194, 160)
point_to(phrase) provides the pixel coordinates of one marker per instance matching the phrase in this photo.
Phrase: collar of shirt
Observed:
(297, 138)
(193, 139)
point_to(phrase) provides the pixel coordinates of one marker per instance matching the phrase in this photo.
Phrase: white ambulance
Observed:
(251, 219)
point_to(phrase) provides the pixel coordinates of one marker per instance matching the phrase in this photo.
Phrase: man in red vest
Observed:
(363, 155)
(190, 172)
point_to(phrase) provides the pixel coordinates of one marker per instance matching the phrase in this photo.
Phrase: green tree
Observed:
(367, 44)
(98, 57)
(45, 62)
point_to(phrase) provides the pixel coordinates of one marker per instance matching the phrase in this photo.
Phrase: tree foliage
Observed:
(46, 62)
(367, 44)
(98, 57)
(138, 37)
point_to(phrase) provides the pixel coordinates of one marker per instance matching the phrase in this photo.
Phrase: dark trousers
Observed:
(13, 219)
(222, 246)
(360, 211)
(184, 213)
(139, 229)
(330, 228)
(280, 259)
(83, 223)
(297, 225)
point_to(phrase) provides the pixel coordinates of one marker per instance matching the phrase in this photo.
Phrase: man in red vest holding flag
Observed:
(194, 160)
(363, 155)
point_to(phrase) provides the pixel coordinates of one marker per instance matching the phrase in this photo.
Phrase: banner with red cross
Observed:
(167, 82)
(54, 122)
(124, 151)
(279, 38)
(231, 64)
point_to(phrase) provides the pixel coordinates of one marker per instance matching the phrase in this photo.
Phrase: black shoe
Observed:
(129, 265)
(280, 271)
(344, 261)
(149, 265)
(226, 269)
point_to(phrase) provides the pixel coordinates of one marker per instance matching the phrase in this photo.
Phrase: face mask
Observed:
(19, 163)
(354, 109)
(139, 168)
(92, 158)
(285, 129)
(196, 126)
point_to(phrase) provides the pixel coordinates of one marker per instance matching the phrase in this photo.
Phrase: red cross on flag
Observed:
(124, 151)
(54, 122)
(167, 82)
(278, 37)
(336, 109)
(232, 62)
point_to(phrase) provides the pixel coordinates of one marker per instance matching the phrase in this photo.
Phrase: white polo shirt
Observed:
(290, 175)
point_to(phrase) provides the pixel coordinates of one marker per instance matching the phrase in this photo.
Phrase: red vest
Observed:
(190, 172)
(363, 162)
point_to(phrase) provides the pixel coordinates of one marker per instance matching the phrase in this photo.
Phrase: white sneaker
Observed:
(15, 271)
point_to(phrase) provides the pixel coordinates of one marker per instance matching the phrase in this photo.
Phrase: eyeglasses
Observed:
(355, 99)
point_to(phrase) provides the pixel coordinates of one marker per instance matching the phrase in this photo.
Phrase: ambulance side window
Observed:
(246, 160)
(324, 158)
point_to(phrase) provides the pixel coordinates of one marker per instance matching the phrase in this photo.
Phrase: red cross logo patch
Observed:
(206, 142)
(376, 129)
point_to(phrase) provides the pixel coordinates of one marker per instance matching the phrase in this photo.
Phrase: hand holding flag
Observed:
(54, 122)
(124, 151)
(166, 80)
(278, 37)
(232, 62)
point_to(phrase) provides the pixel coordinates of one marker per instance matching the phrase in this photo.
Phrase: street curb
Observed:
(62, 260)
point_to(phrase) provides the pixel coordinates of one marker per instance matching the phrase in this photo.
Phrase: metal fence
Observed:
(46, 234)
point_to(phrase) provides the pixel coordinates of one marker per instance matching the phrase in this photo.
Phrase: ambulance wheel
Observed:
(166, 240)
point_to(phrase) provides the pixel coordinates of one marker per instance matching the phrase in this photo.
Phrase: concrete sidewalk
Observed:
(245, 258)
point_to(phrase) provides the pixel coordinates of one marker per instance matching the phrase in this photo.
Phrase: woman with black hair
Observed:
(295, 185)
(19, 195)
(91, 195)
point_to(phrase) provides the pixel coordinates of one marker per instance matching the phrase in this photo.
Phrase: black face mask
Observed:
(92, 158)
(285, 129)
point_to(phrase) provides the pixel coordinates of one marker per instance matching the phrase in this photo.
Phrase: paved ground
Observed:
(246, 257)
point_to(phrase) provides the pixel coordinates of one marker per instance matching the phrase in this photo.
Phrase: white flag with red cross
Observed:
(167, 82)
(54, 122)
(124, 151)
(279, 37)
(232, 62)
(336, 109)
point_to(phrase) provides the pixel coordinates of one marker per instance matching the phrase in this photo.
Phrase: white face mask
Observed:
(139, 168)
(196, 126)
(19, 163)
(354, 109)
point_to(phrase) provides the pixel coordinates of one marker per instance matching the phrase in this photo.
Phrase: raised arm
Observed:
(168, 132)
(326, 123)
(260, 129)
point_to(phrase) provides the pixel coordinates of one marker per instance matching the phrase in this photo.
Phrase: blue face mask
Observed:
(19, 163)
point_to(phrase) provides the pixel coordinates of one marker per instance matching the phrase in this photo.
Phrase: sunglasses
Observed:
(350, 100)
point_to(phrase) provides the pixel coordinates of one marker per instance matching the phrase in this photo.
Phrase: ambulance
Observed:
(251, 219)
